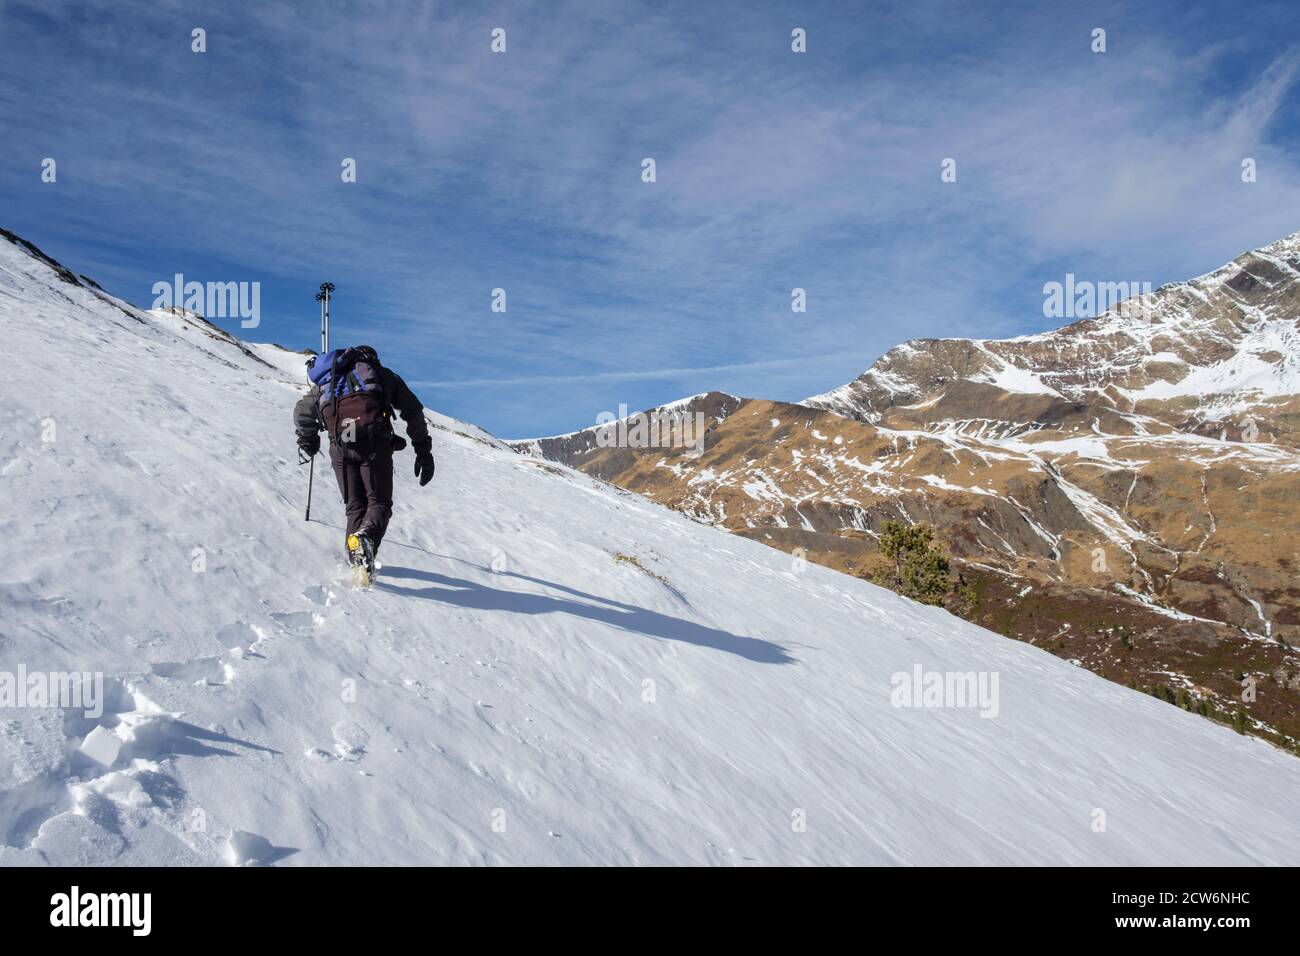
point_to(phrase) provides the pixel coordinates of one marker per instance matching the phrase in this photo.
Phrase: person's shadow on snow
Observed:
(626, 617)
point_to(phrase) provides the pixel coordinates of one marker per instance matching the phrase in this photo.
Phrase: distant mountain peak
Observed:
(1232, 331)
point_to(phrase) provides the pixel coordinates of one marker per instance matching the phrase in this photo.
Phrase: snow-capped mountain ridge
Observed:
(1231, 332)
(1129, 470)
(549, 670)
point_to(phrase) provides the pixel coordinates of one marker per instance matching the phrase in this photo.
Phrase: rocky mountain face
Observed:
(1122, 491)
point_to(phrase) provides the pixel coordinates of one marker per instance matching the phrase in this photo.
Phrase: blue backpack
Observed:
(352, 402)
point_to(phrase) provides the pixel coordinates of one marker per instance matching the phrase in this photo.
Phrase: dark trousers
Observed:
(366, 483)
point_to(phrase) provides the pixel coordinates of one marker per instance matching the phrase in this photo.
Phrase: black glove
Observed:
(424, 467)
(309, 443)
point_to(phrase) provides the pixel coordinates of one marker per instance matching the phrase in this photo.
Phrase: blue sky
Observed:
(522, 171)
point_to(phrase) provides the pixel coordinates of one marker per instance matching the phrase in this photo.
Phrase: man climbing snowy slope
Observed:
(352, 398)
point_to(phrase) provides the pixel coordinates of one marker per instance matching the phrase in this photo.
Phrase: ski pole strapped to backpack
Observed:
(352, 402)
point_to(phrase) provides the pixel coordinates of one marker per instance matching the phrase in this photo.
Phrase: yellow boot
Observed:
(361, 555)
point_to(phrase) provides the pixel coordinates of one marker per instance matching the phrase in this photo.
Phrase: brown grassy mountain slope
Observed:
(1122, 491)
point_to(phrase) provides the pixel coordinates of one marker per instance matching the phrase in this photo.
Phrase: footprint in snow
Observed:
(206, 671)
(318, 594)
(242, 639)
(28, 805)
(144, 731)
(296, 620)
(350, 740)
(16, 468)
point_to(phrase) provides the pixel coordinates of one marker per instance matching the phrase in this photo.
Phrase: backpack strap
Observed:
(334, 370)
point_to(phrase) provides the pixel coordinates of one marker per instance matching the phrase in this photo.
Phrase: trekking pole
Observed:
(311, 466)
(311, 478)
(320, 297)
(323, 297)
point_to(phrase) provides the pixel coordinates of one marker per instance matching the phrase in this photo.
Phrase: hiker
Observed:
(352, 398)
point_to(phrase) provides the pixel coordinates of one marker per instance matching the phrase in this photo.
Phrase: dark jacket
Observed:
(307, 419)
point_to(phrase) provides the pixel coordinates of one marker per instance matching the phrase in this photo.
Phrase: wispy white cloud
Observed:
(628, 376)
(776, 170)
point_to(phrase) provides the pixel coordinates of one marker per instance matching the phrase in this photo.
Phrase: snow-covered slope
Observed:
(548, 671)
